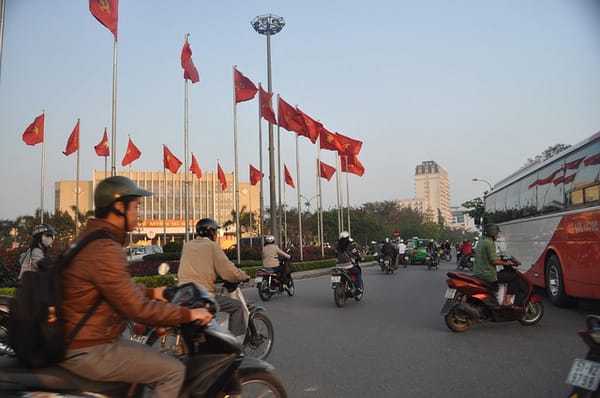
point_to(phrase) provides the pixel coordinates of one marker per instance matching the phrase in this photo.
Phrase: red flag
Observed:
(288, 177)
(328, 140)
(348, 146)
(189, 70)
(326, 170)
(311, 126)
(34, 133)
(266, 107)
(351, 164)
(195, 167)
(132, 153)
(73, 141)
(170, 161)
(107, 13)
(288, 118)
(102, 148)
(589, 161)
(245, 90)
(222, 178)
(255, 175)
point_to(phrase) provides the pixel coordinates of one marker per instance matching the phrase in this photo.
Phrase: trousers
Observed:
(130, 362)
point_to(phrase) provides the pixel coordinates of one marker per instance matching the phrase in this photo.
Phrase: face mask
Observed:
(47, 241)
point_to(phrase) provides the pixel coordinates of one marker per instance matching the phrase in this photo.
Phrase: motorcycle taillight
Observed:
(139, 329)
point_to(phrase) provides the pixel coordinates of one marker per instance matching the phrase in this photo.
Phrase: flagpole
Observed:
(42, 172)
(77, 191)
(185, 157)
(285, 234)
(165, 206)
(2, 14)
(298, 197)
(339, 194)
(260, 167)
(348, 196)
(236, 188)
(279, 177)
(113, 152)
(320, 201)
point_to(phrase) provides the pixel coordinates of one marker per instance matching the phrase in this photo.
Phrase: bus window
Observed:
(581, 182)
(550, 194)
(527, 199)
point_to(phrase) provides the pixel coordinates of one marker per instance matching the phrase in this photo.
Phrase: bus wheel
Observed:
(555, 284)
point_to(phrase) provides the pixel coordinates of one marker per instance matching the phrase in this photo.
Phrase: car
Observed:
(417, 250)
(137, 253)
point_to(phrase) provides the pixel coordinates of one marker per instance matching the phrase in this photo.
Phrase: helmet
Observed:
(401, 241)
(45, 229)
(477, 238)
(206, 227)
(490, 229)
(114, 188)
(344, 234)
(269, 239)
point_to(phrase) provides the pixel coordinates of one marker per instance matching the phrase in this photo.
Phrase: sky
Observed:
(476, 86)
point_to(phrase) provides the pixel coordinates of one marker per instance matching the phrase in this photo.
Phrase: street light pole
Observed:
(487, 182)
(269, 25)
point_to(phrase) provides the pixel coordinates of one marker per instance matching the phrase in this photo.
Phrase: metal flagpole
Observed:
(77, 191)
(113, 152)
(165, 207)
(43, 170)
(260, 168)
(2, 14)
(279, 217)
(348, 196)
(236, 188)
(338, 194)
(300, 242)
(186, 140)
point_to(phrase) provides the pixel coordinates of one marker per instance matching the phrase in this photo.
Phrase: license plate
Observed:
(336, 278)
(138, 338)
(584, 374)
(450, 293)
(258, 279)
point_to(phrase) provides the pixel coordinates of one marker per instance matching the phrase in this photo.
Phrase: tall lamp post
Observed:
(487, 182)
(270, 25)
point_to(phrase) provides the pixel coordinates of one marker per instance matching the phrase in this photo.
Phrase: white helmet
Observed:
(344, 234)
(269, 239)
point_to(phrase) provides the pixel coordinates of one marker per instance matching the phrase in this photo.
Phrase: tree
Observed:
(476, 209)
(547, 153)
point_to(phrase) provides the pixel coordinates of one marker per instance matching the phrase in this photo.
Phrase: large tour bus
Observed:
(549, 218)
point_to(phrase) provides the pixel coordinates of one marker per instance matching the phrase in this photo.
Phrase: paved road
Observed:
(395, 344)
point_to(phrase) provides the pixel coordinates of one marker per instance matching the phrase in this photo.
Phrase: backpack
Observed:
(36, 328)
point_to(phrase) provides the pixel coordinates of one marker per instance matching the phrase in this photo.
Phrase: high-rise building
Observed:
(433, 187)
(163, 213)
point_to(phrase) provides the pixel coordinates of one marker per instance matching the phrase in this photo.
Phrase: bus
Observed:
(549, 219)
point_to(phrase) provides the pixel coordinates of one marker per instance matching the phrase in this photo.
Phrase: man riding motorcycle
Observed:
(270, 258)
(347, 253)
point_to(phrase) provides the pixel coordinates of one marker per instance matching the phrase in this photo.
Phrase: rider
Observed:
(43, 236)
(100, 271)
(203, 261)
(486, 261)
(465, 251)
(401, 251)
(347, 253)
(270, 259)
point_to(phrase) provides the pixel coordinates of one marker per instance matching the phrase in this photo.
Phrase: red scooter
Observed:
(584, 375)
(470, 300)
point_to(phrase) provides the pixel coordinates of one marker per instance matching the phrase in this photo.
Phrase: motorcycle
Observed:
(432, 261)
(259, 329)
(214, 359)
(466, 262)
(584, 375)
(268, 282)
(343, 283)
(470, 300)
(5, 349)
(388, 265)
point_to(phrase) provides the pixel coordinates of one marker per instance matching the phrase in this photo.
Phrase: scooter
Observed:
(584, 375)
(470, 301)
(388, 265)
(466, 262)
(343, 283)
(432, 261)
(5, 349)
(214, 359)
(268, 282)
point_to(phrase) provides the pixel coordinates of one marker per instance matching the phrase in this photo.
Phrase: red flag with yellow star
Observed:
(34, 133)
(170, 161)
(245, 90)
(73, 141)
(102, 147)
(195, 167)
(132, 153)
(107, 13)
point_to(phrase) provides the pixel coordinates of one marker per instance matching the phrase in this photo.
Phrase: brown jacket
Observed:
(100, 269)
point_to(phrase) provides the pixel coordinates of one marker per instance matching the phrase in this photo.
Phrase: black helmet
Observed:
(490, 229)
(45, 229)
(114, 188)
(206, 227)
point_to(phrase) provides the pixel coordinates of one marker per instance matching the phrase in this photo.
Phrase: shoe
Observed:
(285, 287)
(359, 290)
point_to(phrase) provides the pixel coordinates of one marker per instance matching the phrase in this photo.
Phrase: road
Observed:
(394, 343)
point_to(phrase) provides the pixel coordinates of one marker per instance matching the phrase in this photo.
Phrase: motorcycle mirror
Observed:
(163, 269)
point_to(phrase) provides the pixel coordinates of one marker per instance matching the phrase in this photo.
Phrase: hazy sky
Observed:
(477, 86)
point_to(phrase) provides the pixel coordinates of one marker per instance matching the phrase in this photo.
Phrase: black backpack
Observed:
(36, 328)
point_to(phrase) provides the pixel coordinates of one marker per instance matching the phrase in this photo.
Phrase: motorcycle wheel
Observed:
(291, 290)
(455, 323)
(262, 384)
(339, 294)
(258, 344)
(5, 349)
(264, 291)
(533, 313)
